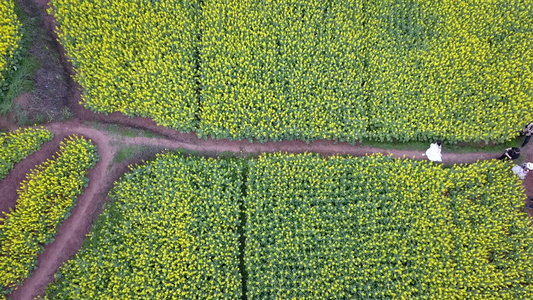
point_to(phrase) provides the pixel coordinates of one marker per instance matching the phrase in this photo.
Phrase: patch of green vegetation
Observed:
(150, 134)
(21, 80)
(66, 113)
(186, 152)
(122, 130)
(22, 117)
(133, 151)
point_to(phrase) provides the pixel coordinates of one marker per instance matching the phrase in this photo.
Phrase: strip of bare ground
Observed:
(72, 232)
(323, 147)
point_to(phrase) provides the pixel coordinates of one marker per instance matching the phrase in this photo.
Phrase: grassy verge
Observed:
(120, 130)
(133, 151)
(21, 80)
(457, 148)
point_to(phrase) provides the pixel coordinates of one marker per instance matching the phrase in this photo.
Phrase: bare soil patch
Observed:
(6, 125)
(24, 100)
(50, 86)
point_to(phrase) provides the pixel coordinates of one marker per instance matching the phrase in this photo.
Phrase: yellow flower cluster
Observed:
(45, 199)
(11, 35)
(382, 228)
(134, 57)
(171, 232)
(16, 145)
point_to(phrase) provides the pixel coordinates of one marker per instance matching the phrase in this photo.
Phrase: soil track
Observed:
(72, 232)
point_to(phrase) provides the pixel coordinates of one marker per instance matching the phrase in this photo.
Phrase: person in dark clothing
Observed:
(510, 154)
(530, 206)
(528, 132)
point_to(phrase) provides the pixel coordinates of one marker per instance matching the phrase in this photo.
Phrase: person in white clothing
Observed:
(522, 170)
(434, 152)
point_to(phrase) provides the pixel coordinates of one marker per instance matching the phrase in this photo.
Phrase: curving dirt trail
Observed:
(11, 183)
(72, 232)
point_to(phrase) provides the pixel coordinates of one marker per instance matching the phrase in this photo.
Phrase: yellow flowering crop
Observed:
(346, 70)
(450, 70)
(275, 70)
(312, 228)
(381, 70)
(16, 145)
(383, 228)
(45, 199)
(171, 232)
(135, 57)
(11, 35)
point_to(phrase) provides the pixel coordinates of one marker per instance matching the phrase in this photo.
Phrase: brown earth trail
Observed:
(72, 232)
(11, 183)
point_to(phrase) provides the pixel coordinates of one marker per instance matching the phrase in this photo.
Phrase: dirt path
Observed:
(72, 232)
(324, 147)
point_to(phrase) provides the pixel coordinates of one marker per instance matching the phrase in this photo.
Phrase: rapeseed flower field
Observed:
(312, 228)
(134, 57)
(171, 232)
(44, 201)
(16, 145)
(417, 70)
(449, 70)
(382, 228)
(286, 226)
